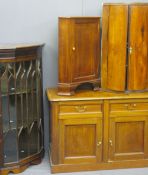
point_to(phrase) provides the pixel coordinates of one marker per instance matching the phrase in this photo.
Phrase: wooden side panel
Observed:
(54, 133)
(138, 48)
(86, 49)
(64, 58)
(114, 38)
(1, 137)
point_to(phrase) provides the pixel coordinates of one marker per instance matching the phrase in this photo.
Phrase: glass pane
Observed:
(5, 114)
(10, 146)
(30, 112)
(34, 139)
(12, 108)
(19, 111)
(24, 110)
(34, 105)
(4, 78)
(23, 143)
(19, 73)
(11, 79)
(41, 141)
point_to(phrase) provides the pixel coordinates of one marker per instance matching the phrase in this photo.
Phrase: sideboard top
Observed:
(93, 95)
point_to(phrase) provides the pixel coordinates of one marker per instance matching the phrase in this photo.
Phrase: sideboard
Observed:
(98, 130)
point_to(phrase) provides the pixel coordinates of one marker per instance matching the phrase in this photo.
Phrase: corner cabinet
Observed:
(98, 130)
(125, 58)
(79, 53)
(21, 117)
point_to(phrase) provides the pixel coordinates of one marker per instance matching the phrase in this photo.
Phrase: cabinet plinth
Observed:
(79, 53)
(95, 130)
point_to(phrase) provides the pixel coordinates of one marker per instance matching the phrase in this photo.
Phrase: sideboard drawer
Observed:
(80, 108)
(129, 106)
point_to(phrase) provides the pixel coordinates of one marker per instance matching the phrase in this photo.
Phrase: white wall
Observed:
(37, 21)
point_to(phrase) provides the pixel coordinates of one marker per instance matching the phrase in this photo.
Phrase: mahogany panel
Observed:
(86, 56)
(138, 48)
(114, 38)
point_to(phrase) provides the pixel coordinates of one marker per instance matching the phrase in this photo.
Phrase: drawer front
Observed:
(129, 106)
(80, 108)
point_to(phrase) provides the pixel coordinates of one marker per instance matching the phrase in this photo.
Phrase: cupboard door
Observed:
(80, 141)
(138, 48)
(128, 138)
(114, 43)
(85, 49)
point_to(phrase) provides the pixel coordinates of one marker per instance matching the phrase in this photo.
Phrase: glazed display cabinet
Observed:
(21, 128)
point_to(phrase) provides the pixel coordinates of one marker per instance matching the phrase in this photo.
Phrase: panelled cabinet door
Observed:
(85, 49)
(80, 141)
(138, 48)
(128, 138)
(114, 43)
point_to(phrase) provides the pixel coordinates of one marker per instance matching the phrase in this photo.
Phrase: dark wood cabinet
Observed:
(98, 130)
(1, 138)
(124, 47)
(79, 53)
(21, 118)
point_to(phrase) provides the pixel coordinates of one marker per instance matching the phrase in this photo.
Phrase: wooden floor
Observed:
(44, 169)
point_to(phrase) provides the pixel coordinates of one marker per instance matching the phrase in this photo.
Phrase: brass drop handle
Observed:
(111, 142)
(73, 48)
(80, 108)
(130, 50)
(130, 106)
(99, 143)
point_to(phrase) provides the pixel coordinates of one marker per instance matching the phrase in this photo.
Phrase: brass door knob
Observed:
(130, 50)
(99, 143)
(111, 142)
(73, 48)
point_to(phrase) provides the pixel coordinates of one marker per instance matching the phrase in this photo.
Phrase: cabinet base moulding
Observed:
(23, 165)
(70, 88)
(61, 168)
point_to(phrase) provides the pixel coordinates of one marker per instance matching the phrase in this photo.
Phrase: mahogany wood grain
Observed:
(79, 53)
(138, 42)
(85, 139)
(114, 47)
(128, 138)
(125, 47)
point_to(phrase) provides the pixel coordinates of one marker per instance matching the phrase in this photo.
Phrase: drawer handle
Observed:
(80, 108)
(130, 106)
